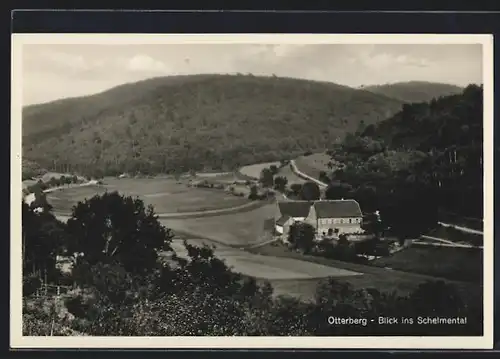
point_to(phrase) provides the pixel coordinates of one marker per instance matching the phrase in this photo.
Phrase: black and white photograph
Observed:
(252, 188)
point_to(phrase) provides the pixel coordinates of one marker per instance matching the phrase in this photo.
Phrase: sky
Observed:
(55, 71)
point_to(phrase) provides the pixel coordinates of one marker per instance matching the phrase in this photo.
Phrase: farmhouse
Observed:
(289, 212)
(326, 216)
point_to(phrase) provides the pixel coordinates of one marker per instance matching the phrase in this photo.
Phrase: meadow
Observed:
(457, 236)
(381, 277)
(288, 276)
(254, 170)
(463, 264)
(166, 195)
(313, 164)
(235, 229)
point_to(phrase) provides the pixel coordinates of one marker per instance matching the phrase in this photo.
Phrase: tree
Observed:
(68, 180)
(113, 228)
(280, 183)
(273, 169)
(254, 193)
(338, 190)
(310, 191)
(323, 177)
(301, 236)
(53, 182)
(266, 177)
(43, 239)
(296, 188)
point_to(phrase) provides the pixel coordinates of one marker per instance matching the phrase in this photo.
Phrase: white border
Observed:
(19, 341)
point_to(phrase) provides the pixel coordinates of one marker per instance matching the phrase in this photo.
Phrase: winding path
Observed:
(461, 228)
(305, 176)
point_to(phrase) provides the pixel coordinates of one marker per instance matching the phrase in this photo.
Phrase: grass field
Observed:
(219, 178)
(237, 229)
(462, 264)
(166, 195)
(288, 276)
(387, 280)
(312, 165)
(253, 171)
(457, 236)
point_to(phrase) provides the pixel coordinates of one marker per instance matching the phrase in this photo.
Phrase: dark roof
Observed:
(282, 220)
(337, 209)
(294, 208)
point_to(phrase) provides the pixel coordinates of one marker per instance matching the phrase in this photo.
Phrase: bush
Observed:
(31, 284)
(77, 306)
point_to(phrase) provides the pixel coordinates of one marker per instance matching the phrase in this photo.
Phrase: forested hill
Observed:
(194, 122)
(415, 91)
(425, 158)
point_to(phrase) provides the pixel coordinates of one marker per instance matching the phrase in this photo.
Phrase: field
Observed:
(287, 275)
(383, 279)
(225, 178)
(236, 229)
(253, 171)
(462, 264)
(457, 236)
(166, 195)
(313, 164)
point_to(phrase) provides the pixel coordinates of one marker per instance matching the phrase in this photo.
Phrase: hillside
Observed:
(414, 91)
(426, 160)
(194, 122)
(30, 169)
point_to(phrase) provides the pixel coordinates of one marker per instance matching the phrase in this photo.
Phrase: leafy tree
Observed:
(254, 193)
(266, 177)
(43, 239)
(113, 228)
(53, 182)
(273, 169)
(323, 177)
(301, 236)
(338, 190)
(296, 188)
(310, 191)
(280, 183)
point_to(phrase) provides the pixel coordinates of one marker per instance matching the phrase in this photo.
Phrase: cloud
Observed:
(412, 61)
(66, 60)
(144, 63)
(385, 60)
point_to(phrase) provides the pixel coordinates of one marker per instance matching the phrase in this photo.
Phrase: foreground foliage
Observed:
(199, 294)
